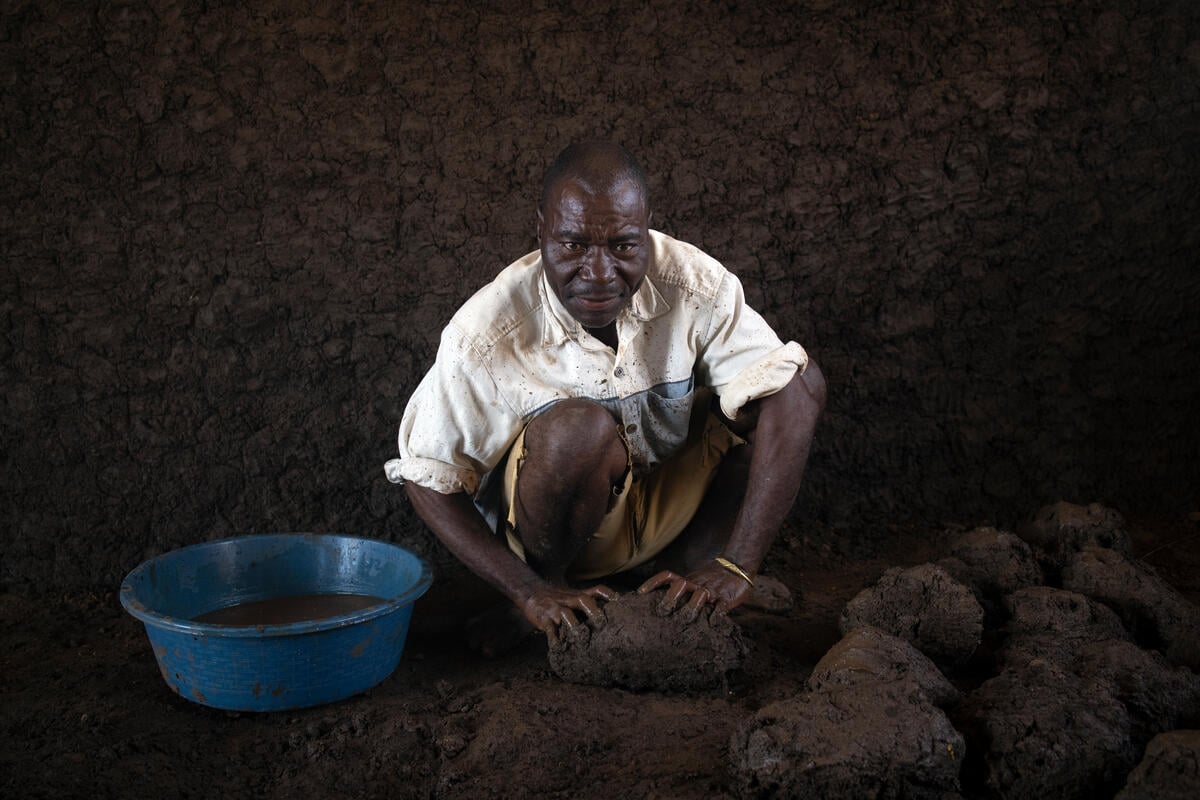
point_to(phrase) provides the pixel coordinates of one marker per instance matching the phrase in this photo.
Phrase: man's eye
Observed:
(625, 247)
(573, 247)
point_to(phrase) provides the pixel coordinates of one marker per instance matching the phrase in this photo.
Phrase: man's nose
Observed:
(598, 266)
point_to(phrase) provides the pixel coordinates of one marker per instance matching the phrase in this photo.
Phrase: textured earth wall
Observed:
(231, 232)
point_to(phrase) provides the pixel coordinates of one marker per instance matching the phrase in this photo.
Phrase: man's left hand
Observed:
(711, 584)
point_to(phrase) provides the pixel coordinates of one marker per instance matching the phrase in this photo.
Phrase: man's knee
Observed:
(576, 434)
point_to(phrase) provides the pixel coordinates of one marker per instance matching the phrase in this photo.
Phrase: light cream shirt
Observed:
(512, 350)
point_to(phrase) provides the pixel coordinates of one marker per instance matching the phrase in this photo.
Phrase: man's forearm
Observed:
(782, 439)
(457, 523)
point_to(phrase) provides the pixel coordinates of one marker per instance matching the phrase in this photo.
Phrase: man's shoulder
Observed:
(684, 266)
(506, 302)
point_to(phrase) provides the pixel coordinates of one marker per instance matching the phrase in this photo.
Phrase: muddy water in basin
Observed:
(290, 608)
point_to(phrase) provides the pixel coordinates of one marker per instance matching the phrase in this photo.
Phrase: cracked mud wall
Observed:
(231, 232)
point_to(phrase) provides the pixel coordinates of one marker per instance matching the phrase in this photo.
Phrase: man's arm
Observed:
(457, 523)
(782, 440)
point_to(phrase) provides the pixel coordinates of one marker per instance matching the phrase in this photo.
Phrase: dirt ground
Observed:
(85, 712)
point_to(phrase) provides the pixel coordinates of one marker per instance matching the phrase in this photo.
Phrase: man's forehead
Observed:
(579, 199)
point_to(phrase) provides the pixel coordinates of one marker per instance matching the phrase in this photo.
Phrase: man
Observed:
(606, 401)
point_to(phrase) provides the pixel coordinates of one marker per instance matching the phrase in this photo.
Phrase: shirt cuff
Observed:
(432, 474)
(764, 377)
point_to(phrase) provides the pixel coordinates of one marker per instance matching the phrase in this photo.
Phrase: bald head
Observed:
(600, 166)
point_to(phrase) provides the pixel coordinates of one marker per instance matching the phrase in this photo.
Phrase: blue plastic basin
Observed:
(273, 667)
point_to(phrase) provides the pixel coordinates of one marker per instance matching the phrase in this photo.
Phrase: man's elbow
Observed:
(811, 386)
(425, 501)
(798, 406)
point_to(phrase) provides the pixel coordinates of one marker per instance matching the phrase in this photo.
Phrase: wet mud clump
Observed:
(640, 647)
(1042, 731)
(1170, 770)
(867, 655)
(925, 606)
(992, 563)
(1157, 615)
(1156, 696)
(1060, 530)
(868, 726)
(1049, 623)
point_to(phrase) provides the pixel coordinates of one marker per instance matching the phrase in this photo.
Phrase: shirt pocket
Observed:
(656, 421)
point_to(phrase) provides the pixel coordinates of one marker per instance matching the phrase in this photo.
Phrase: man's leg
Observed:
(574, 456)
(707, 535)
(559, 482)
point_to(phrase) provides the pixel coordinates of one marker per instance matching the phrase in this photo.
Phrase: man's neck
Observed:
(607, 334)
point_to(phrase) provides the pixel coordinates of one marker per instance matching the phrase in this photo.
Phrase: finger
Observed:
(700, 598)
(594, 613)
(652, 583)
(567, 619)
(551, 630)
(671, 597)
(600, 590)
(678, 589)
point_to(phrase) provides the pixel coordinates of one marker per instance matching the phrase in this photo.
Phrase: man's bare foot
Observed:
(497, 630)
(769, 594)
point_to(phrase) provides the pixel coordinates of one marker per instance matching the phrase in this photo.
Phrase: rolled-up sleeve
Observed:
(741, 357)
(456, 426)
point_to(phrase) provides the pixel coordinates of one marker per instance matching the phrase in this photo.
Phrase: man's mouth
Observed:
(596, 302)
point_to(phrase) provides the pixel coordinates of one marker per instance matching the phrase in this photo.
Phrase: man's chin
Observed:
(593, 323)
(596, 317)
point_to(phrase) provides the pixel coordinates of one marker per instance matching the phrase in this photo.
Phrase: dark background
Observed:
(231, 232)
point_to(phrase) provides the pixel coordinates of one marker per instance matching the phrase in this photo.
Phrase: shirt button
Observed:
(619, 372)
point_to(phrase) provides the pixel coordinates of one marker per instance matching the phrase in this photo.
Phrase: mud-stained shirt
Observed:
(513, 350)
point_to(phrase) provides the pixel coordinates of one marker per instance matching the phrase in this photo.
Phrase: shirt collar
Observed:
(558, 325)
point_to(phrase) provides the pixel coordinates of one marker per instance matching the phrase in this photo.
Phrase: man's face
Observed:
(595, 248)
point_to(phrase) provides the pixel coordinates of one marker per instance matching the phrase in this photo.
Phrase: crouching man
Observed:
(607, 402)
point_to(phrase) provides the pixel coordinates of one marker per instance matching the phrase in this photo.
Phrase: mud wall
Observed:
(232, 231)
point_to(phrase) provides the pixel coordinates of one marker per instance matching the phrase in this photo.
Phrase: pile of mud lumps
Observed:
(1039, 664)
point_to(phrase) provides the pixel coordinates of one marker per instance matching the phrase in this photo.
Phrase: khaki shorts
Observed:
(646, 513)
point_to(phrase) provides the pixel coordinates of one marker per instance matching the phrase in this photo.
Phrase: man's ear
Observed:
(540, 221)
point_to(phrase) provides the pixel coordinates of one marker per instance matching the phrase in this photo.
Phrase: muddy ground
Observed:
(86, 714)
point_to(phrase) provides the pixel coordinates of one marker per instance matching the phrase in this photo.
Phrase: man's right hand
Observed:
(550, 607)
(456, 521)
